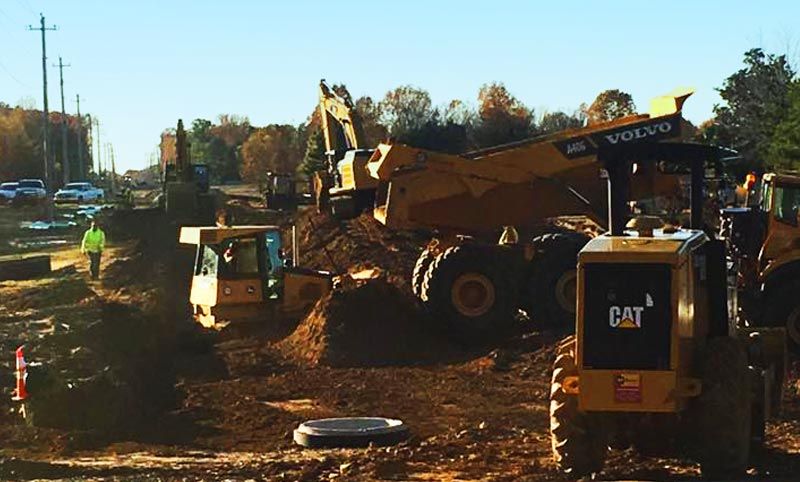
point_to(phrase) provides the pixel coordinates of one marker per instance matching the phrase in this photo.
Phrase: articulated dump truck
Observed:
(476, 287)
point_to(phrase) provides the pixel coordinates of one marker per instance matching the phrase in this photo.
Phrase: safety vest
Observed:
(94, 241)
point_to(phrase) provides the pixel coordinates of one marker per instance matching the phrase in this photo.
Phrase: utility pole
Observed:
(113, 171)
(64, 149)
(45, 112)
(99, 164)
(81, 170)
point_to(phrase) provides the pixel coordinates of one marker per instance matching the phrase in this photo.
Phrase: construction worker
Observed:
(94, 241)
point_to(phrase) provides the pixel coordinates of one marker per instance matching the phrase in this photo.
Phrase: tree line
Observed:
(21, 143)
(236, 150)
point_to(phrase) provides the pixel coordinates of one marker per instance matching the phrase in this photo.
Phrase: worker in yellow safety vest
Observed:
(94, 241)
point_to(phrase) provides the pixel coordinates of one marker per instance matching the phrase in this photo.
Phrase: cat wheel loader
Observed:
(345, 188)
(763, 243)
(476, 285)
(658, 362)
(240, 275)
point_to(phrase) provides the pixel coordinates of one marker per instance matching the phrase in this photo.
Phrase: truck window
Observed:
(239, 258)
(207, 263)
(787, 201)
(766, 197)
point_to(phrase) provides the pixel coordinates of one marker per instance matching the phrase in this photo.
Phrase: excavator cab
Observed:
(240, 275)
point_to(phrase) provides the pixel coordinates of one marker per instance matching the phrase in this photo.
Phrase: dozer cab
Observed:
(763, 243)
(240, 275)
(658, 361)
(475, 285)
(345, 188)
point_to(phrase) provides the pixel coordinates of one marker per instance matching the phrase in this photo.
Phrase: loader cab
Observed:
(780, 202)
(240, 274)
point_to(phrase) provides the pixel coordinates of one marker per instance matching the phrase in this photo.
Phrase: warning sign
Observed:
(628, 387)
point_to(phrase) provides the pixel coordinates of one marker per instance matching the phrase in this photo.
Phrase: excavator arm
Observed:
(340, 110)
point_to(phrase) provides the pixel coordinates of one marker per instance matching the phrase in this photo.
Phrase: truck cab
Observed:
(240, 275)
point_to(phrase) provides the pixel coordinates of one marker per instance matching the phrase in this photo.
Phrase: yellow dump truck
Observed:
(240, 275)
(518, 187)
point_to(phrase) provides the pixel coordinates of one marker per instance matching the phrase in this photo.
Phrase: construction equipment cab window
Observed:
(787, 201)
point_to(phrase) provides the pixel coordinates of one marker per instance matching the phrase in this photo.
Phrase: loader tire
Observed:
(420, 268)
(782, 309)
(579, 444)
(468, 289)
(552, 279)
(722, 414)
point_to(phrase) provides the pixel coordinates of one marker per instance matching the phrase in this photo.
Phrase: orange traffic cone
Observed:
(21, 393)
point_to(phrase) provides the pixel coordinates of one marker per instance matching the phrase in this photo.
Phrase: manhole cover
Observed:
(350, 432)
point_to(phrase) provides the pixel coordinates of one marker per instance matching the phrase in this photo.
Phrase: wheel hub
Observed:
(473, 294)
(566, 288)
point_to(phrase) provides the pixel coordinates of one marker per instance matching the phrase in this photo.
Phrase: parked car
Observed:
(30, 191)
(7, 191)
(79, 192)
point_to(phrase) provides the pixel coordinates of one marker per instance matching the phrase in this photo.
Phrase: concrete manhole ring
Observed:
(350, 432)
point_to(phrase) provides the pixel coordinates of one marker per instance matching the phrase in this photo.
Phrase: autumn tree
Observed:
(756, 101)
(609, 105)
(274, 148)
(502, 118)
(559, 121)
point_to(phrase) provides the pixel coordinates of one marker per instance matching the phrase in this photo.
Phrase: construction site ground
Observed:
(477, 414)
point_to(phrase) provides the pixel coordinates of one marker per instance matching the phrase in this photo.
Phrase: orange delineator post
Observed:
(21, 392)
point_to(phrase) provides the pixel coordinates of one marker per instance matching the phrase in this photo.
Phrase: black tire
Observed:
(578, 441)
(552, 279)
(470, 289)
(722, 411)
(420, 268)
(782, 309)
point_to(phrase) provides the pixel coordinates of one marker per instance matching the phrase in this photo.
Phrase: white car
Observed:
(79, 192)
(31, 191)
(7, 191)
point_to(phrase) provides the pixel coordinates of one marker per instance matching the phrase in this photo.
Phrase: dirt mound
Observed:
(351, 245)
(366, 323)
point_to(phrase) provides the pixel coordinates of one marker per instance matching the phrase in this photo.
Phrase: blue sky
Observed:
(140, 65)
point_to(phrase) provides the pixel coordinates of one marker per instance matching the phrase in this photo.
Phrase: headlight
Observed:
(226, 291)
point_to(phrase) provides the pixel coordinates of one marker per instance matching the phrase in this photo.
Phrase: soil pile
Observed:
(351, 245)
(366, 323)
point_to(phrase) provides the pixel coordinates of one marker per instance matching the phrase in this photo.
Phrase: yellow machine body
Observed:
(647, 390)
(520, 183)
(239, 276)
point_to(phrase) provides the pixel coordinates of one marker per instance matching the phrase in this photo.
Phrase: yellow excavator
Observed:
(515, 188)
(345, 188)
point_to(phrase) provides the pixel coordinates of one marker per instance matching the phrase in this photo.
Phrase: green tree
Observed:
(756, 101)
(609, 105)
(783, 151)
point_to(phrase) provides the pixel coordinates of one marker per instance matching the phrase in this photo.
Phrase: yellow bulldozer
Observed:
(763, 243)
(657, 361)
(345, 188)
(240, 275)
(468, 199)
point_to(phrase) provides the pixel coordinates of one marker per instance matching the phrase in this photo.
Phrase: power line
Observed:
(27, 5)
(23, 84)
